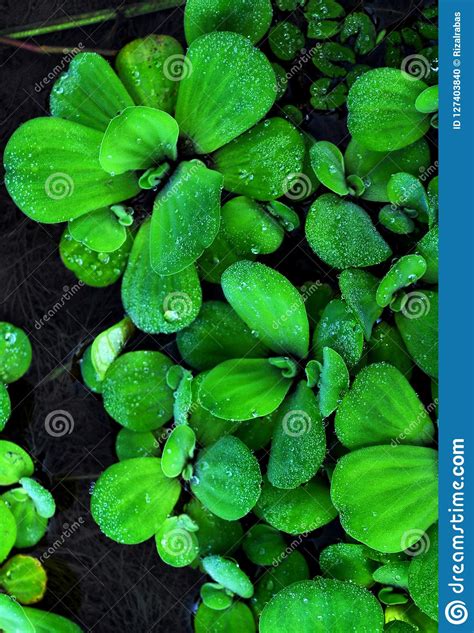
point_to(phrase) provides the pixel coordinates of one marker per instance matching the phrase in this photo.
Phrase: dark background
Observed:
(103, 586)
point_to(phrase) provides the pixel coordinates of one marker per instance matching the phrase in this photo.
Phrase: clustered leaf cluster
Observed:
(282, 409)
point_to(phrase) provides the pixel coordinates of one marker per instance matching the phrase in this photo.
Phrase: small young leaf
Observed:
(333, 381)
(228, 574)
(428, 100)
(215, 597)
(299, 441)
(303, 510)
(286, 40)
(42, 498)
(177, 451)
(382, 408)
(342, 234)
(395, 220)
(404, 272)
(8, 530)
(30, 526)
(25, 578)
(15, 352)
(270, 305)
(108, 345)
(15, 463)
(132, 499)
(406, 191)
(227, 479)
(341, 331)
(328, 164)
(98, 230)
(348, 561)
(236, 619)
(135, 391)
(243, 389)
(263, 545)
(358, 289)
(177, 545)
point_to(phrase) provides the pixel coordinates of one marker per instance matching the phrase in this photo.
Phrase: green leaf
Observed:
(186, 217)
(348, 561)
(15, 463)
(138, 138)
(150, 69)
(333, 381)
(270, 305)
(135, 391)
(382, 113)
(263, 545)
(386, 345)
(341, 331)
(42, 498)
(15, 352)
(99, 230)
(299, 441)
(394, 573)
(290, 569)
(409, 614)
(131, 499)
(251, 228)
(215, 596)
(158, 303)
(210, 117)
(404, 272)
(5, 406)
(53, 172)
(317, 14)
(396, 220)
(418, 325)
(423, 573)
(242, 389)
(328, 164)
(342, 234)
(256, 434)
(330, 52)
(129, 444)
(251, 18)
(7, 530)
(30, 526)
(428, 100)
(227, 479)
(177, 451)
(216, 335)
(406, 191)
(25, 578)
(236, 619)
(46, 622)
(261, 162)
(215, 535)
(300, 510)
(92, 268)
(108, 345)
(387, 496)
(228, 574)
(13, 617)
(89, 92)
(286, 40)
(358, 289)
(359, 24)
(176, 543)
(375, 168)
(428, 248)
(322, 605)
(327, 96)
(382, 408)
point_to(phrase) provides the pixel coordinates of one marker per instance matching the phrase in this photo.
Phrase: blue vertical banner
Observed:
(456, 443)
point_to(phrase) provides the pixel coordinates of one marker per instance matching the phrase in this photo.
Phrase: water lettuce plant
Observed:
(279, 436)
